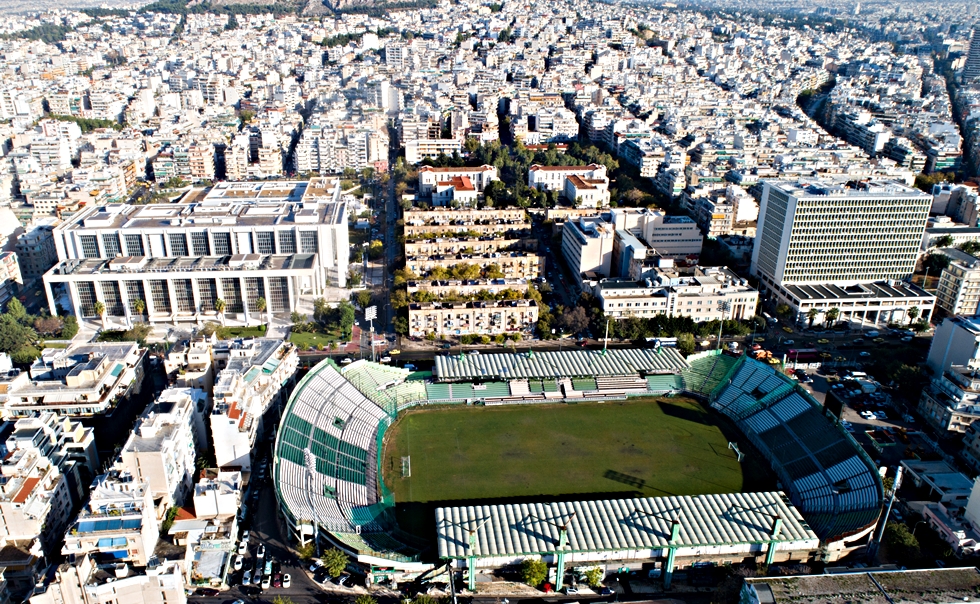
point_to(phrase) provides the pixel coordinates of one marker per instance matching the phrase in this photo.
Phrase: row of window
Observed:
(202, 243)
(182, 290)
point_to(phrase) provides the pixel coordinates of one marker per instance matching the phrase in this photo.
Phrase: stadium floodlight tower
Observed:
(560, 552)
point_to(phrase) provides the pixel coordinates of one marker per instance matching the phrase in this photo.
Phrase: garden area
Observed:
(329, 328)
(22, 335)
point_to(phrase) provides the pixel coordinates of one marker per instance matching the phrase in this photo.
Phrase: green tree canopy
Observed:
(534, 572)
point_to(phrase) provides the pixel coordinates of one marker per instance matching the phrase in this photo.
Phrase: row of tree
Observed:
(21, 333)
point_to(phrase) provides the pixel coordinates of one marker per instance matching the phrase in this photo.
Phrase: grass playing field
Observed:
(648, 447)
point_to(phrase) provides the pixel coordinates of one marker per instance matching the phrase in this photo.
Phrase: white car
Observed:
(261, 552)
(266, 582)
(286, 581)
(345, 361)
(473, 352)
(385, 359)
(316, 564)
(247, 578)
(242, 547)
(881, 416)
(245, 537)
(238, 562)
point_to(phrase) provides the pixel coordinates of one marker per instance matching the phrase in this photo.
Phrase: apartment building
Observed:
(9, 276)
(82, 380)
(36, 498)
(586, 192)
(118, 524)
(469, 245)
(464, 318)
(36, 252)
(514, 265)
(552, 178)
(466, 222)
(431, 148)
(162, 448)
(701, 293)
(467, 288)
(822, 244)
(83, 580)
(244, 242)
(950, 402)
(959, 284)
(430, 177)
(218, 495)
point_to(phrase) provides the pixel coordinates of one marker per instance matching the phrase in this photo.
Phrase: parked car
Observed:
(238, 562)
(247, 577)
(321, 576)
(570, 590)
(385, 359)
(789, 342)
(277, 580)
(317, 564)
(242, 547)
(266, 582)
(873, 334)
(473, 352)
(257, 577)
(261, 552)
(245, 536)
(864, 353)
(206, 592)
(907, 339)
(286, 581)
(345, 361)
(344, 580)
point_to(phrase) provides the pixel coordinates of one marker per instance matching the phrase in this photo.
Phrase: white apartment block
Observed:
(430, 177)
(447, 223)
(118, 524)
(951, 402)
(840, 246)
(552, 178)
(464, 318)
(704, 294)
(219, 496)
(587, 245)
(163, 446)
(430, 148)
(82, 581)
(78, 381)
(959, 284)
(36, 498)
(274, 241)
(586, 192)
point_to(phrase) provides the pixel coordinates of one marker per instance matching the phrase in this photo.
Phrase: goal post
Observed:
(734, 447)
(407, 466)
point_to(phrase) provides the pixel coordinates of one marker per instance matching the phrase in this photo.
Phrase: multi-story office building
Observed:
(35, 249)
(971, 70)
(959, 285)
(956, 342)
(82, 380)
(163, 446)
(244, 243)
(587, 245)
(822, 245)
(464, 318)
(431, 148)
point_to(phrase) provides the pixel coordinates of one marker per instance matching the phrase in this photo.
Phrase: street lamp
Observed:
(917, 525)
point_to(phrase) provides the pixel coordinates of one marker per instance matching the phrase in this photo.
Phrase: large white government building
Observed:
(823, 245)
(240, 242)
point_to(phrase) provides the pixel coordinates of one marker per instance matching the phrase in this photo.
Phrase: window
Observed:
(134, 245)
(86, 298)
(264, 243)
(90, 247)
(278, 294)
(160, 294)
(207, 290)
(308, 243)
(222, 244)
(184, 291)
(254, 289)
(287, 242)
(178, 244)
(110, 243)
(231, 289)
(112, 299)
(199, 244)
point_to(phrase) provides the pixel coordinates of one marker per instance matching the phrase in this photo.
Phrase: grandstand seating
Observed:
(707, 373)
(385, 385)
(831, 479)
(664, 383)
(326, 454)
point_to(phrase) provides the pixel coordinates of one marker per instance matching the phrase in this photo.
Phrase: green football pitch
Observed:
(645, 447)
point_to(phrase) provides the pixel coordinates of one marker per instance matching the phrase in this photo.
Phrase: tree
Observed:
(320, 310)
(782, 310)
(811, 315)
(831, 315)
(438, 273)
(15, 309)
(363, 298)
(399, 299)
(99, 308)
(208, 329)
(246, 115)
(970, 247)
(365, 599)
(139, 306)
(594, 576)
(345, 310)
(13, 335)
(685, 343)
(493, 272)
(232, 23)
(334, 561)
(913, 313)
(944, 241)
(935, 263)
(70, 329)
(48, 326)
(283, 600)
(574, 321)
(902, 545)
(376, 249)
(219, 307)
(260, 305)
(534, 572)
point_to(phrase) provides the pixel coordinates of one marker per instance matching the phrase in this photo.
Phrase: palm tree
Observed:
(913, 313)
(99, 309)
(139, 306)
(219, 307)
(832, 314)
(260, 305)
(811, 315)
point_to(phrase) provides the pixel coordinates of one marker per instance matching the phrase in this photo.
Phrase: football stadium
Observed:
(644, 457)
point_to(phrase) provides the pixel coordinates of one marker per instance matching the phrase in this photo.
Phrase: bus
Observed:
(802, 355)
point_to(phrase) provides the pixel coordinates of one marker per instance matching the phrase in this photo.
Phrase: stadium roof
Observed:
(567, 363)
(620, 524)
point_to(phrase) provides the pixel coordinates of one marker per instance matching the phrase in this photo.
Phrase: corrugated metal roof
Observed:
(619, 524)
(567, 363)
